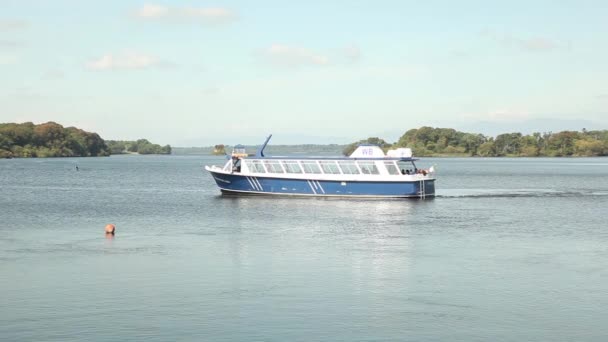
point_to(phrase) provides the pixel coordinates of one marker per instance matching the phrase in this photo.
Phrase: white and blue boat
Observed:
(367, 172)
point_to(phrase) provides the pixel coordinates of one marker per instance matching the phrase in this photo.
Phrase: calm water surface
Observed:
(510, 250)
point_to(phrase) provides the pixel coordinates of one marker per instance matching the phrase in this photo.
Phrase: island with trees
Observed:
(49, 140)
(219, 150)
(23, 140)
(429, 142)
(141, 146)
(28, 140)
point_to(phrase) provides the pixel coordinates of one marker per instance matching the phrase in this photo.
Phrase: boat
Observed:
(367, 172)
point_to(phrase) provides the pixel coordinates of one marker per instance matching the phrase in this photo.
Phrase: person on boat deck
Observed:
(236, 162)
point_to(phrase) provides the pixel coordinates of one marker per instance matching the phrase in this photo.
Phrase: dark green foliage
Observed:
(439, 141)
(49, 140)
(141, 146)
(219, 150)
(429, 141)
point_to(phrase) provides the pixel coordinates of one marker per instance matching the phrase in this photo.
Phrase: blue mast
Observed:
(260, 152)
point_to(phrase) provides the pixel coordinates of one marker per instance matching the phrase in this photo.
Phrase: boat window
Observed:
(368, 167)
(348, 167)
(273, 166)
(292, 167)
(310, 166)
(391, 168)
(329, 167)
(255, 166)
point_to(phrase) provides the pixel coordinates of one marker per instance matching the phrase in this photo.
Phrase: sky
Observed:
(197, 73)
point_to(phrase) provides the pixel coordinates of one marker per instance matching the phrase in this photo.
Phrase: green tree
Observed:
(219, 149)
(508, 144)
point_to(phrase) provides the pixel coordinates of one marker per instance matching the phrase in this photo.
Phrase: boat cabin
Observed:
(366, 160)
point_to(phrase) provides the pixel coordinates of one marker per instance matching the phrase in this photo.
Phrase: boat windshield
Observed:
(407, 168)
(391, 168)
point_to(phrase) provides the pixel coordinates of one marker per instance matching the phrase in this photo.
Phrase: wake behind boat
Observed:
(367, 172)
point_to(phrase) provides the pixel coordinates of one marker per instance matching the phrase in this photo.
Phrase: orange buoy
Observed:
(110, 228)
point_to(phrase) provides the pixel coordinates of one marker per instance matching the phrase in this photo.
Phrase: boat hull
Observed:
(242, 184)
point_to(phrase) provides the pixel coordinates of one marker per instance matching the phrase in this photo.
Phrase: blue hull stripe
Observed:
(320, 187)
(258, 183)
(312, 187)
(250, 183)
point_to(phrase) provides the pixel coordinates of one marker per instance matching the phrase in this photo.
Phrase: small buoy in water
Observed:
(110, 228)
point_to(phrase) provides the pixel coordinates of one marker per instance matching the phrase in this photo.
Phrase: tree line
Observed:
(49, 140)
(429, 141)
(23, 140)
(141, 146)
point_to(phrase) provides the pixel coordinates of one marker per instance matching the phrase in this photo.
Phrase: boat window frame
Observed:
(349, 166)
(255, 165)
(330, 163)
(270, 166)
(392, 163)
(288, 165)
(306, 163)
(364, 166)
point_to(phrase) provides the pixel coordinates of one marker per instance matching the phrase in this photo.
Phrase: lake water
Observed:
(510, 250)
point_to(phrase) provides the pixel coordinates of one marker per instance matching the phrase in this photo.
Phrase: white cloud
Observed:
(352, 53)
(501, 115)
(6, 25)
(207, 15)
(211, 90)
(531, 44)
(6, 60)
(53, 75)
(10, 44)
(508, 114)
(128, 60)
(286, 55)
(296, 56)
(152, 11)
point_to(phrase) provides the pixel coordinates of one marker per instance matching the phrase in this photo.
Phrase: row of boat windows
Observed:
(346, 167)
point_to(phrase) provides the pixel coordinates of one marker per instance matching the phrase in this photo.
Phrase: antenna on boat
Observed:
(260, 152)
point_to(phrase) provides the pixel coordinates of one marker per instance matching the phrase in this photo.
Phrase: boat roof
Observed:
(363, 152)
(325, 158)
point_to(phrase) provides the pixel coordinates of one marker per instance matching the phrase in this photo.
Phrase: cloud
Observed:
(211, 90)
(53, 75)
(602, 96)
(6, 60)
(502, 115)
(6, 25)
(152, 11)
(296, 56)
(499, 115)
(10, 44)
(351, 53)
(530, 44)
(125, 61)
(207, 15)
(508, 114)
(293, 56)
